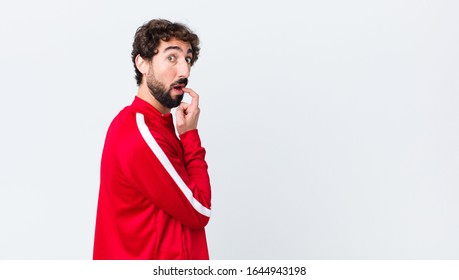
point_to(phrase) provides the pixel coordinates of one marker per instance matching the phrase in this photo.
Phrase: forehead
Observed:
(174, 44)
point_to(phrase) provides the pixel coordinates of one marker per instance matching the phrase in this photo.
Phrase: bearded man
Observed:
(155, 194)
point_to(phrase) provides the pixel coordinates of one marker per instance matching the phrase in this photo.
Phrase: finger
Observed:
(194, 97)
(183, 106)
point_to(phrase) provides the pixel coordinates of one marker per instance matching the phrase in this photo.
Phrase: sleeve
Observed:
(180, 186)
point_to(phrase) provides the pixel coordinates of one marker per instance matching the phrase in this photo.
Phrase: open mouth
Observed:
(179, 85)
(179, 88)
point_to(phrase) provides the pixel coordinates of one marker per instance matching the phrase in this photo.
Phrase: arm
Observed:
(187, 116)
(179, 186)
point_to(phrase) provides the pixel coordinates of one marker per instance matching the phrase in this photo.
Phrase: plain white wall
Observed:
(331, 126)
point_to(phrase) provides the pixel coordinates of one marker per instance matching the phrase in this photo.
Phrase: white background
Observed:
(332, 127)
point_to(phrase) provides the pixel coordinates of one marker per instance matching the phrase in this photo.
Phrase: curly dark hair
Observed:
(148, 37)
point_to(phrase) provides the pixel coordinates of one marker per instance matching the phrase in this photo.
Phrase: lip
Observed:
(178, 85)
(178, 88)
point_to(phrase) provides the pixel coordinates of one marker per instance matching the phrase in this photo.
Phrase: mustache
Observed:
(183, 81)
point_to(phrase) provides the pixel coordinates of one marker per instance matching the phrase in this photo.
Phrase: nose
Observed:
(183, 69)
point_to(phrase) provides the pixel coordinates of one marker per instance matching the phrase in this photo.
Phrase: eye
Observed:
(171, 58)
(188, 60)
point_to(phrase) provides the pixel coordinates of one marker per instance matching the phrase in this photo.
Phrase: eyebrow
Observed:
(176, 48)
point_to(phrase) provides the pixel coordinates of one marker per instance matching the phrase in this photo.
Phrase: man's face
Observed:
(169, 72)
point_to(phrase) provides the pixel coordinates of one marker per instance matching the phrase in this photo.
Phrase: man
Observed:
(154, 197)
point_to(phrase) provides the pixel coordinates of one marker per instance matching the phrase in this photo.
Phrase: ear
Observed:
(142, 65)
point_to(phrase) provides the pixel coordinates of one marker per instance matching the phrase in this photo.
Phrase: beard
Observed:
(162, 94)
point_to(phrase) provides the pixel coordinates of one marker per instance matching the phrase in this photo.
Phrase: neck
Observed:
(144, 93)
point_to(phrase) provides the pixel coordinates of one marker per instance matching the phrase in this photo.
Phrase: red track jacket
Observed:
(154, 197)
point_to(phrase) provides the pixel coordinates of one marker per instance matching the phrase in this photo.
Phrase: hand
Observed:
(187, 115)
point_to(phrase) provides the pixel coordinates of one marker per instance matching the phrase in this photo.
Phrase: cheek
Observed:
(168, 77)
(165, 73)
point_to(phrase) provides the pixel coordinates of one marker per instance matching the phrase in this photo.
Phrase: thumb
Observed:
(181, 110)
(183, 107)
